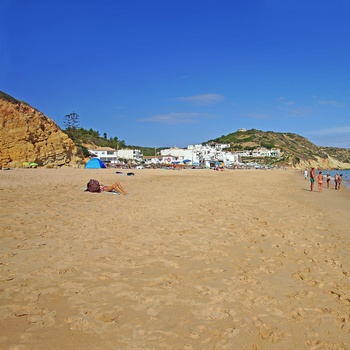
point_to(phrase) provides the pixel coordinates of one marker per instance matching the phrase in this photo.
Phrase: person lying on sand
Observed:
(115, 187)
(95, 186)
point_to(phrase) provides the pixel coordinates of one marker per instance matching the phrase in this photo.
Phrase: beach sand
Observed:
(189, 259)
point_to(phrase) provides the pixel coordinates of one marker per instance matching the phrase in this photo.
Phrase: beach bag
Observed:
(93, 186)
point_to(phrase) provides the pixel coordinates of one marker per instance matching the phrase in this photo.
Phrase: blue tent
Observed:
(95, 163)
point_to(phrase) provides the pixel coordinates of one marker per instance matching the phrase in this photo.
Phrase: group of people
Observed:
(338, 179)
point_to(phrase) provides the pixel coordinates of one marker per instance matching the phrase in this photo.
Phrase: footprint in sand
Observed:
(268, 333)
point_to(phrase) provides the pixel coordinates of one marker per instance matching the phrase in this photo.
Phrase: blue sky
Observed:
(171, 73)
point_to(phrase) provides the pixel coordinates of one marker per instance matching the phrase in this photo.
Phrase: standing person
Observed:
(320, 181)
(328, 180)
(340, 180)
(312, 178)
(336, 179)
(305, 174)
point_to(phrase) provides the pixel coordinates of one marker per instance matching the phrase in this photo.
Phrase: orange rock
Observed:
(27, 135)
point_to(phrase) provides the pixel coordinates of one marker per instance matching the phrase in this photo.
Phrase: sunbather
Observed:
(115, 187)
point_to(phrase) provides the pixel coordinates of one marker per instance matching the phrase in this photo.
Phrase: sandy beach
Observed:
(189, 259)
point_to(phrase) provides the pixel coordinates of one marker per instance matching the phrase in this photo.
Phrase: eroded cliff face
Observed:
(324, 164)
(27, 135)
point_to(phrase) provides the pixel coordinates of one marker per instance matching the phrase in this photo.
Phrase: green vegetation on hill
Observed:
(294, 147)
(342, 154)
(81, 136)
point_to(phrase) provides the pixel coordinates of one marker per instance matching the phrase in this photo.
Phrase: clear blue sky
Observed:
(172, 73)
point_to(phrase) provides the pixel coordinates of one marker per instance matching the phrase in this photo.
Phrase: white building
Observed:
(130, 154)
(189, 155)
(153, 160)
(106, 154)
(175, 152)
(264, 152)
(110, 155)
(202, 155)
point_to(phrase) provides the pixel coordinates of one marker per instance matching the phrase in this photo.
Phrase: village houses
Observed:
(196, 155)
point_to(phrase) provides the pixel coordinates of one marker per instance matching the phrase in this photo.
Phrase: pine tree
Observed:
(71, 123)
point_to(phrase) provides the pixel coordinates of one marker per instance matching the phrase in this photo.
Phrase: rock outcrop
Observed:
(27, 135)
(325, 164)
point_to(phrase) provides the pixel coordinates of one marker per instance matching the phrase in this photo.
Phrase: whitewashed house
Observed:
(264, 152)
(189, 155)
(152, 160)
(260, 152)
(106, 154)
(130, 154)
(110, 155)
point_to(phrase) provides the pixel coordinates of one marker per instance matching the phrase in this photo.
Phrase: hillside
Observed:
(27, 135)
(342, 154)
(296, 150)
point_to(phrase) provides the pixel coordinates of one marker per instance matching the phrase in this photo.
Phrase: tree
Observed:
(105, 135)
(71, 121)
(113, 142)
(121, 144)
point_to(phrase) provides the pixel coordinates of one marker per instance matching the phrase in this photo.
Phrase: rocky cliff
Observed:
(27, 135)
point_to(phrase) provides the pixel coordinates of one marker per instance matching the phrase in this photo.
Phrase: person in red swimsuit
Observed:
(320, 181)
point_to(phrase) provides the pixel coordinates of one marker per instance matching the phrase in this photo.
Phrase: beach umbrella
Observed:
(33, 164)
(186, 160)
